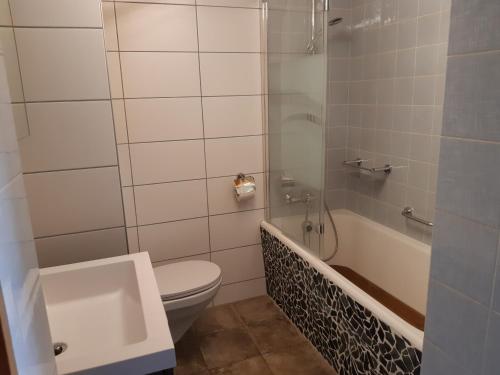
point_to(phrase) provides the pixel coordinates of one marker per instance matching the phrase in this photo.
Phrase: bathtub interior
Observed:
(391, 260)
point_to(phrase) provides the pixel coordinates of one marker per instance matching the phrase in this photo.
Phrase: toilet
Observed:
(186, 288)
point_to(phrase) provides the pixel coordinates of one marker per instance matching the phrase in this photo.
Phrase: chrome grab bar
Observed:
(358, 165)
(408, 212)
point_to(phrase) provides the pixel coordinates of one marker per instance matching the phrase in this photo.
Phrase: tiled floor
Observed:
(246, 338)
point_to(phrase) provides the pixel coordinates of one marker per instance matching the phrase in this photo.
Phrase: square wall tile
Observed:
(62, 133)
(161, 203)
(74, 201)
(471, 99)
(71, 62)
(244, 263)
(182, 2)
(124, 163)
(156, 27)
(120, 121)
(164, 119)
(8, 47)
(154, 74)
(230, 74)
(232, 116)
(5, 19)
(492, 345)
(175, 240)
(235, 230)
(114, 74)
(204, 257)
(467, 187)
(57, 13)
(436, 361)
(240, 291)
(229, 29)
(81, 247)
(221, 198)
(129, 206)
(447, 311)
(231, 3)
(110, 33)
(167, 161)
(230, 156)
(464, 255)
(20, 120)
(133, 240)
(467, 37)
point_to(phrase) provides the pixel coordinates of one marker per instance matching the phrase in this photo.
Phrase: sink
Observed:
(108, 316)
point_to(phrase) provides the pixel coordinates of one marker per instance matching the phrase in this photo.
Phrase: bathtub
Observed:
(369, 332)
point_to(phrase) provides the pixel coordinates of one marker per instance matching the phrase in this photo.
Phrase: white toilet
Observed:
(186, 288)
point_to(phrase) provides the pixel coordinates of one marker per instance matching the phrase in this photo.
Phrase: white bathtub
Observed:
(389, 259)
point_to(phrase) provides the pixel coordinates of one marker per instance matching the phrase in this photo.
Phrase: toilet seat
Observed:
(183, 279)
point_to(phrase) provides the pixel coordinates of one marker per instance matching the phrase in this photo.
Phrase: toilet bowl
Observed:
(186, 288)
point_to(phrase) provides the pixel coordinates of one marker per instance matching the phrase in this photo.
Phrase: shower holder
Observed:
(358, 164)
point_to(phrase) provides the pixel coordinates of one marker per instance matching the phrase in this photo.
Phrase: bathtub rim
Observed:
(400, 326)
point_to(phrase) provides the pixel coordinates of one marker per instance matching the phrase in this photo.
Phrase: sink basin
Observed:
(109, 315)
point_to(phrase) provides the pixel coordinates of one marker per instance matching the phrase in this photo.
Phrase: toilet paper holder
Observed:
(244, 187)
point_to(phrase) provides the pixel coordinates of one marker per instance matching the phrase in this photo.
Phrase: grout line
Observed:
(113, 115)
(72, 169)
(81, 232)
(204, 130)
(192, 179)
(126, 129)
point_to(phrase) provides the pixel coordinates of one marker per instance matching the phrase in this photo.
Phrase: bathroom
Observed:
(198, 187)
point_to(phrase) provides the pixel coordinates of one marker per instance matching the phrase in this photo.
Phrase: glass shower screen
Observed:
(297, 84)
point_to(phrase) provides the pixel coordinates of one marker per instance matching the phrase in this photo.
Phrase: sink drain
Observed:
(59, 348)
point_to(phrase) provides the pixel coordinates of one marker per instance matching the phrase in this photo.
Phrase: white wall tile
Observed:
(62, 133)
(239, 291)
(164, 119)
(235, 230)
(231, 3)
(153, 74)
(156, 27)
(71, 62)
(175, 240)
(221, 198)
(124, 163)
(230, 156)
(133, 240)
(74, 201)
(230, 74)
(229, 29)
(57, 13)
(205, 257)
(182, 2)
(8, 46)
(110, 33)
(244, 263)
(74, 248)
(173, 201)
(20, 120)
(129, 206)
(114, 74)
(120, 121)
(5, 19)
(232, 116)
(167, 161)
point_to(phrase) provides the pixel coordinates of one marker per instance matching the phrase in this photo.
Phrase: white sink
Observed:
(110, 315)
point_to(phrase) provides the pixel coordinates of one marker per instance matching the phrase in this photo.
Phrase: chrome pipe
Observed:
(409, 213)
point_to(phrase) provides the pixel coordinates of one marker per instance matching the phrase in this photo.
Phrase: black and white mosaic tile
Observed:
(347, 334)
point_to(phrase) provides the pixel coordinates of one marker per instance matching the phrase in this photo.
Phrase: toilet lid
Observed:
(183, 279)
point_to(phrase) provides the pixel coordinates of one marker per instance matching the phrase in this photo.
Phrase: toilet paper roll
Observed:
(244, 187)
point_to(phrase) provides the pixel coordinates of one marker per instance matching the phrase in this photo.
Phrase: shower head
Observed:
(335, 21)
